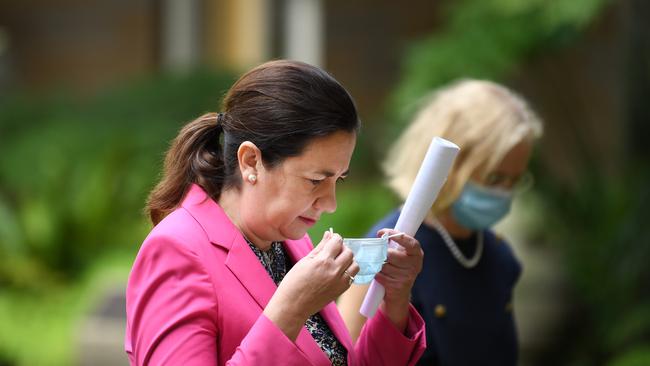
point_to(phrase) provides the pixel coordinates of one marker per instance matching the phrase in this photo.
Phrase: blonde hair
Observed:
(485, 119)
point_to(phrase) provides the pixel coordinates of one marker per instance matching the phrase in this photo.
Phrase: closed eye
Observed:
(319, 181)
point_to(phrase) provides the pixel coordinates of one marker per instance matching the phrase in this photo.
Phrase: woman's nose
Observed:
(327, 201)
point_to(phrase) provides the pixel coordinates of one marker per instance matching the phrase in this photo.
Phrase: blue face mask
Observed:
(479, 207)
(370, 254)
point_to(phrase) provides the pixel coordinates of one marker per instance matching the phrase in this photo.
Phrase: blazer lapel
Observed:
(243, 263)
(241, 260)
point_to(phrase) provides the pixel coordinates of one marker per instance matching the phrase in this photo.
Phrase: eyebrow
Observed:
(328, 173)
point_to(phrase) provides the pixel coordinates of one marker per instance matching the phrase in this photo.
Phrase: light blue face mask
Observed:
(479, 207)
(370, 254)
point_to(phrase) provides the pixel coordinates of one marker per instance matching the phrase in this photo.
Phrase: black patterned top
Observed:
(276, 264)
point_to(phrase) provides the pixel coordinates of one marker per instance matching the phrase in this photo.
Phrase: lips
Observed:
(308, 221)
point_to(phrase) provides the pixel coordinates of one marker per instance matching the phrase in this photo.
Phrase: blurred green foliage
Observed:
(601, 228)
(635, 357)
(74, 172)
(487, 39)
(74, 175)
(43, 329)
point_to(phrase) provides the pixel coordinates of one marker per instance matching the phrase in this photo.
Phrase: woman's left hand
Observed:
(398, 276)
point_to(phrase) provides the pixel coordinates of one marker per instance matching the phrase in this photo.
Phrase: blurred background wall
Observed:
(92, 91)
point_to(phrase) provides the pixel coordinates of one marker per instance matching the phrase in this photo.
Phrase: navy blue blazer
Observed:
(468, 312)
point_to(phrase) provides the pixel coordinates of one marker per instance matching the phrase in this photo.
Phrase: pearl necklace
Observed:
(465, 262)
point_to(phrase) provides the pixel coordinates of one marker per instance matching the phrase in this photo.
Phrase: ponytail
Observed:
(195, 156)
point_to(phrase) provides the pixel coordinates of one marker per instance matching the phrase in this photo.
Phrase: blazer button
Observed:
(508, 307)
(440, 311)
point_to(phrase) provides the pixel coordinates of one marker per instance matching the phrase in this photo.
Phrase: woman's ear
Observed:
(250, 159)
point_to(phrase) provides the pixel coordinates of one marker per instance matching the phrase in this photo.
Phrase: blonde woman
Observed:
(464, 291)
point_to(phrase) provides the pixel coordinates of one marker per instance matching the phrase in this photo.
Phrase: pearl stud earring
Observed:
(252, 178)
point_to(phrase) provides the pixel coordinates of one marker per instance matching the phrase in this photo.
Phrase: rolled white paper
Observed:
(428, 182)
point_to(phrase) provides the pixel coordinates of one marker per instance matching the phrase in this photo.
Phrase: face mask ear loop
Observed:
(392, 236)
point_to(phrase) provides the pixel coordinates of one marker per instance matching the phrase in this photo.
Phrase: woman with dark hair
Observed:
(228, 274)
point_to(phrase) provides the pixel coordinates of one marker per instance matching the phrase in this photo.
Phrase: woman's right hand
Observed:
(313, 282)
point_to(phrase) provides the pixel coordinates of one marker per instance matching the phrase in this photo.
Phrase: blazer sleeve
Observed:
(171, 307)
(172, 313)
(381, 343)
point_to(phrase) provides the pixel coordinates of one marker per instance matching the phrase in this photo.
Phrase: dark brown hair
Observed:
(280, 106)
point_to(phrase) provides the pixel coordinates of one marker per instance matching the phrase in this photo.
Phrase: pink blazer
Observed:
(196, 294)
